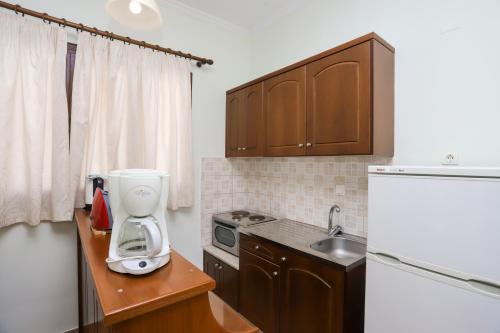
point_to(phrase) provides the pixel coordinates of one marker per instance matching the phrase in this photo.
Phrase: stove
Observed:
(242, 218)
(224, 228)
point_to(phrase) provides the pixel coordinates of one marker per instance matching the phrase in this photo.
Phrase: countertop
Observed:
(300, 236)
(227, 257)
(123, 296)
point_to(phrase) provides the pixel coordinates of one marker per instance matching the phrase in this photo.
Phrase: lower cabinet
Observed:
(259, 291)
(226, 279)
(296, 293)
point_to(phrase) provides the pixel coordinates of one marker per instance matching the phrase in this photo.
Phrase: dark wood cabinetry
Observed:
(226, 279)
(287, 291)
(311, 296)
(259, 291)
(244, 122)
(339, 102)
(233, 108)
(285, 113)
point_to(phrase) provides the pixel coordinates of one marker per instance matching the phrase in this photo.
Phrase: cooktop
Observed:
(242, 218)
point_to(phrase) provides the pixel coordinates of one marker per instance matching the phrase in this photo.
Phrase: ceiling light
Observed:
(135, 14)
(135, 7)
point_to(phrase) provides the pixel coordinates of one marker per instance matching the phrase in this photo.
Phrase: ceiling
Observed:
(242, 14)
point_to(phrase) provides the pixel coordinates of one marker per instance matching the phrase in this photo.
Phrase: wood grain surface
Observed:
(124, 296)
(174, 298)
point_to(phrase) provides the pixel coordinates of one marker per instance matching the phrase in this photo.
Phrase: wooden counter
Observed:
(173, 298)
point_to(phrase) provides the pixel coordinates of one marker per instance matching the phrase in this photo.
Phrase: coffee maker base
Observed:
(138, 266)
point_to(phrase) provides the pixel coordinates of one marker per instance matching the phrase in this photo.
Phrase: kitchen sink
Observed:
(340, 247)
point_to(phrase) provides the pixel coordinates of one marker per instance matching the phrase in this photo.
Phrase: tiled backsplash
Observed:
(298, 188)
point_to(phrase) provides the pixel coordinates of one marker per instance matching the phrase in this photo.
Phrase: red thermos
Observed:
(100, 214)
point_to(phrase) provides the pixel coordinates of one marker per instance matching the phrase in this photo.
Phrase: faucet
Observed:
(337, 229)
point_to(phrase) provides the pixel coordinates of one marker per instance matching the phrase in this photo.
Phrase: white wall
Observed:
(38, 287)
(447, 67)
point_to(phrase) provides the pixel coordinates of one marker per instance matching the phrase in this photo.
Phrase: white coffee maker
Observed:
(139, 240)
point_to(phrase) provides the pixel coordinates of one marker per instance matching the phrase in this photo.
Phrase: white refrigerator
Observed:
(433, 261)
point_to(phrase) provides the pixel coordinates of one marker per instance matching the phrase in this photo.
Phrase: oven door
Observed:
(225, 237)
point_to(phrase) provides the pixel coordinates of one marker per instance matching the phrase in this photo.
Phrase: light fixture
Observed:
(135, 7)
(135, 14)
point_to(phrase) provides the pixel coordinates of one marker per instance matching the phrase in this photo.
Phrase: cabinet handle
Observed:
(216, 265)
(220, 267)
(300, 145)
(275, 273)
(283, 259)
(239, 148)
(244, 148)
(256, 247)
(308, 144)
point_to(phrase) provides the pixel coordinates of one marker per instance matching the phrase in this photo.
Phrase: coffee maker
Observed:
(139, 241)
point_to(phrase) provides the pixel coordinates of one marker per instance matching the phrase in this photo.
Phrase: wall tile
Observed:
(225, 184)
(240, 201)
(225, 202)
(298, 188)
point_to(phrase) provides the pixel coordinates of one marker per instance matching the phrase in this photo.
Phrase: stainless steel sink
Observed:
(340, 247)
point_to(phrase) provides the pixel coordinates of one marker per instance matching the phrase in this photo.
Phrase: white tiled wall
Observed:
(298, 188)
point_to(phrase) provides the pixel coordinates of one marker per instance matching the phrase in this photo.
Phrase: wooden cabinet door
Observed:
(259, 291)
(311, 296)
(250, 136)
(285, 113)
(339, 103)
(228, 280)
(211, 267)
(234, 105)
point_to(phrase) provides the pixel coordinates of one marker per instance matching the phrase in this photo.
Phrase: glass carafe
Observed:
(139, 236)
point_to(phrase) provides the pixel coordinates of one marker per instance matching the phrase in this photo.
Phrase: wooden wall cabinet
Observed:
(285, 113)
(339, 102)
(226, 279)
(244, 122)
(284, 290)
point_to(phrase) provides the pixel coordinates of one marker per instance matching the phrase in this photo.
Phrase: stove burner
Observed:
(257, 218)
(240, 213)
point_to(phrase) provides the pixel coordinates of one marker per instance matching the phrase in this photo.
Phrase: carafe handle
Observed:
(153, 237)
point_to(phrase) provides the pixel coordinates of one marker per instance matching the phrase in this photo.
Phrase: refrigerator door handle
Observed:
(472, 285)
(485, 287)
(387, 259)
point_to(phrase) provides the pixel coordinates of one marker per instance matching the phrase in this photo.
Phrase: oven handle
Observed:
(224, 224)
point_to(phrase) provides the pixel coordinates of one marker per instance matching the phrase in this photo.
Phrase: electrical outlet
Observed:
(450, 159)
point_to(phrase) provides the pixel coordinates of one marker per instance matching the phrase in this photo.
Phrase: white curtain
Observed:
(34, 148)
(131, 109)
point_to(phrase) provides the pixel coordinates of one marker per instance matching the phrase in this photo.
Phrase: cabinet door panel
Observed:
(284, 109)
(250, 137)
(233, 109)
(228, 282)
(339, 103)
(311, 296)
(259, 291)
(210, 266)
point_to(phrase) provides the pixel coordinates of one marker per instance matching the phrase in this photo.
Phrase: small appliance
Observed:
(100, 215)
(224, 228)
(139, 241)
(93, 182)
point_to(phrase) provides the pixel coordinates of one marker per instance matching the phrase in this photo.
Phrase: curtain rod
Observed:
(94, 31)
